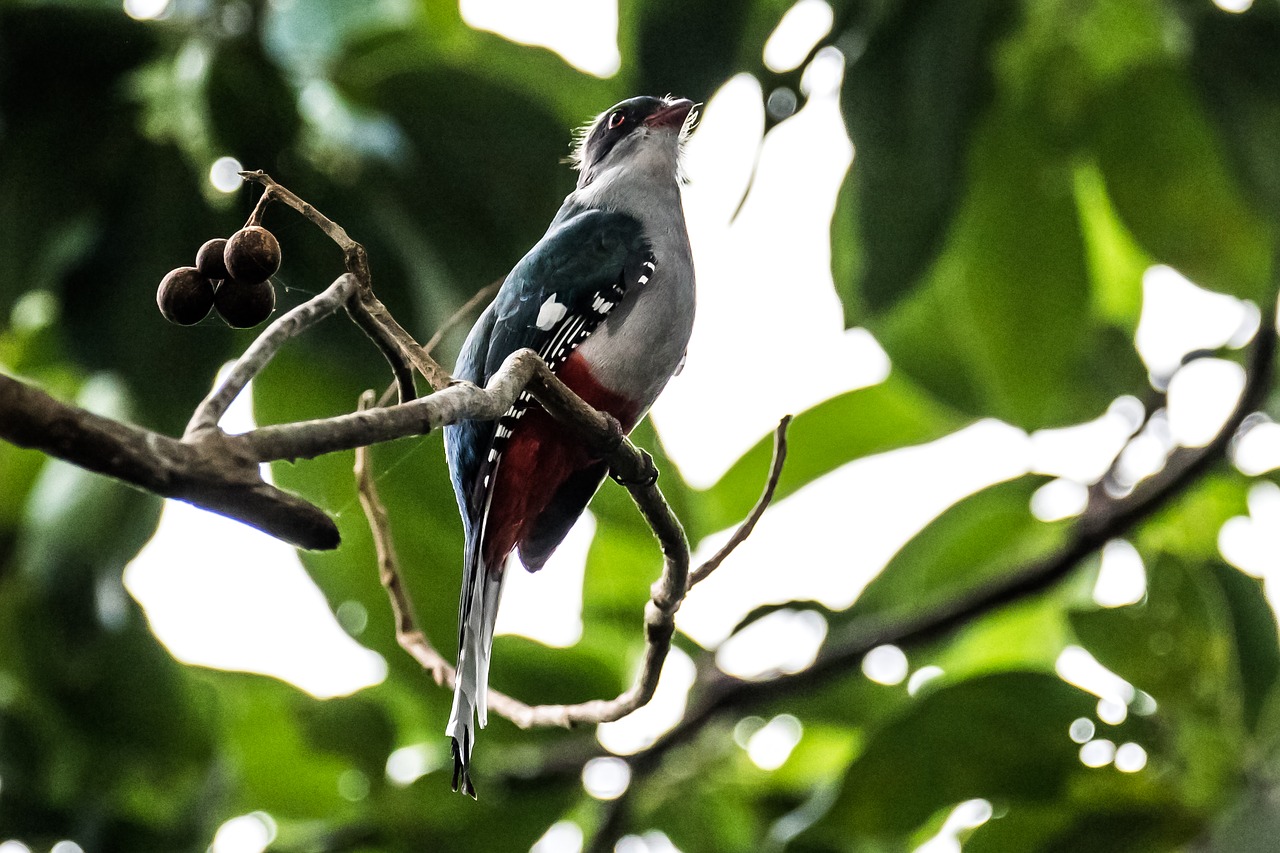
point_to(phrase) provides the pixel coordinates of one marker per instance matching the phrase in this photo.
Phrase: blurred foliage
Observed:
(1020, 163)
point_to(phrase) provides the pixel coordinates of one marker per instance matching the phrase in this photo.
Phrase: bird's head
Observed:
(642, 135)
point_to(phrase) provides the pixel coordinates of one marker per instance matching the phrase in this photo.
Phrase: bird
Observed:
(606, 298)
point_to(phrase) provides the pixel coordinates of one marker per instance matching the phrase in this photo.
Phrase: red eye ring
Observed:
(616, 120)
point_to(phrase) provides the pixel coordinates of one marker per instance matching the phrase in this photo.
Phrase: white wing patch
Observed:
(550, 313)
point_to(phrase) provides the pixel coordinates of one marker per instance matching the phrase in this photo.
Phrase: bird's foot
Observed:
(648, 477)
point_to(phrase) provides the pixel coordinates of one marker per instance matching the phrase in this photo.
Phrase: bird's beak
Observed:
(672, 115)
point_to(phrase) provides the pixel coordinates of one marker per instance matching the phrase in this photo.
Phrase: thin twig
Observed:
(264, 348)
(259, 209)
(410, 637)
(749, 523)
(481, 296)
(279, 192)
(398, 346)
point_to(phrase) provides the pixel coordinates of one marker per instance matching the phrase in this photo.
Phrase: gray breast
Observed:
(636, 350)
(638, 347)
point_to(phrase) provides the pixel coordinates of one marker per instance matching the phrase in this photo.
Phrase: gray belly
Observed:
(637, 349)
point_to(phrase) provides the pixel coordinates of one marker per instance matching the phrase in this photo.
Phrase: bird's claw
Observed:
(650, 474)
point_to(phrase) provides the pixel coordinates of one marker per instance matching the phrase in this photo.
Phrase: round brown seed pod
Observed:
(252, 255)
(209, 260)
(244, 306)
(185, 296)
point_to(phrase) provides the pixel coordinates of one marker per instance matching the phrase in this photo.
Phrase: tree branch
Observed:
(215, 471)
(212, 473)
(264, 348)
(368, 312)
(844, 652)
(631, 467)
(524, 369)
(749, 524)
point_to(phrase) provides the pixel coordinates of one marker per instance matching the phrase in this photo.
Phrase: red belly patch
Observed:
(539, 457)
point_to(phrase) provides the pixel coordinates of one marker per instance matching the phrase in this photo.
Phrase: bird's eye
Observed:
(616, 120)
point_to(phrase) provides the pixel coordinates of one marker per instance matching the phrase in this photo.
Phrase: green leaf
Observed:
(1026, 635)
(477, 219)
(976, 540)
(274, 764)
(849, 426)
(1177, 644)
(1238, 82)
(538, 675)
(414, 486)
(1106, 817)
(1006, 310)
(1253, 623)
(911, 101)
(1180, 646)
(690, 47)
(1251, 825)
(1167, 178)
(1002, 737)
(1116, 262)
(353, 727)
(253, 113)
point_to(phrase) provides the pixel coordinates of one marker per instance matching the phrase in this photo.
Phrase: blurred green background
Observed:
(1020, 164)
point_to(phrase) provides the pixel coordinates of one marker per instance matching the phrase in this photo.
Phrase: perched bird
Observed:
(606, 297)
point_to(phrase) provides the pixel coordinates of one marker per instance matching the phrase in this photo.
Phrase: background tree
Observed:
(1020, 165)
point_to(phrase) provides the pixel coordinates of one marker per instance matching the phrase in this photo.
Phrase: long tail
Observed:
(481, 594)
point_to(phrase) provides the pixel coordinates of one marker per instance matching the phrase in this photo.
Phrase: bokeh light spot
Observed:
(1097, 753)
(583, 32)
(783, 641)
(563, 836)
(353, 617)
(797, 32)
(353, 785)
(652, 841)
(771, 746)
(1130, 758)
(745, 728)
(885, 665)
(1202, 396)
(249, 833)
(146, 10)
(409, 763)
(1059, 499)
(606, 778)
(1122, 578)
(1082, 730)
(224, 174)
(921, 677)
(1112, 712)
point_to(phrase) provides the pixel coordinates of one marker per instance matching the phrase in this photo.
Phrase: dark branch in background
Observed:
(1112, 517)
